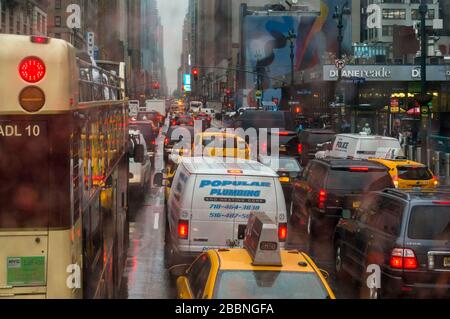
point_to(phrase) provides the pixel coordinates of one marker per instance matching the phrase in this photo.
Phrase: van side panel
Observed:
(213, 211)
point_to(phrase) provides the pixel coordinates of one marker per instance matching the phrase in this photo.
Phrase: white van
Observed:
(140, 173)
(210, 203)
(363, 146)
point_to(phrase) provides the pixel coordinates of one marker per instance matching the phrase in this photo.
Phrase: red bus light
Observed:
(32, 69)
(40, 40)
(183, 229)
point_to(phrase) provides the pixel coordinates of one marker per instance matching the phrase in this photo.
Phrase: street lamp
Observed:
(339, 13)
(291, 38)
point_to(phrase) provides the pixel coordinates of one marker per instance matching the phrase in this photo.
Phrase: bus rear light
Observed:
(183, 229)
(282, 232)
(32, 69)
(40, 40)
(32, 99)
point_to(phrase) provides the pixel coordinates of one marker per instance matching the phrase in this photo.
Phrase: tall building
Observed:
(27, 17)
(152, 45)
(60, 11)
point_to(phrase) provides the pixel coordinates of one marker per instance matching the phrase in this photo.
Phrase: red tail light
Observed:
(183, 229)
(166, 141)
(403, 259)
(300, 148)
(32, 69)
(322, 198)
(283, 133)
(191, 124)
(174, 122)
(439, 202)
(282, 232)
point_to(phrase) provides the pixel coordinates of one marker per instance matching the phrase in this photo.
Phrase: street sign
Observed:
(424, 110)
(258, 95)
(395, 106)
(340, 64)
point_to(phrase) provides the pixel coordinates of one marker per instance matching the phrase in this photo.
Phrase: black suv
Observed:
(310, 142)
(404, 233)
(281, 120)
(327, 187)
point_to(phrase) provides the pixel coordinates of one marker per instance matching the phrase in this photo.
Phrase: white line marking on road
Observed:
(156, 224)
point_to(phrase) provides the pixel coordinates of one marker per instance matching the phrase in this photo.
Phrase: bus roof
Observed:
(227, 166)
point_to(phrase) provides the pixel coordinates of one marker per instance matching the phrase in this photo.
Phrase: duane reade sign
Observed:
(386, 72)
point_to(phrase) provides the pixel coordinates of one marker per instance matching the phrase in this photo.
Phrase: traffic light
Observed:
(195, 73)
(228, 92)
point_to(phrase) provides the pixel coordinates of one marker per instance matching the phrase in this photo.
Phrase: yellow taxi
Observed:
(408, 174)
(261, 270)
(220, 144)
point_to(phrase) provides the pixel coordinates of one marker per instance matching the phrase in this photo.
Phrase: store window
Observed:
(394, 14)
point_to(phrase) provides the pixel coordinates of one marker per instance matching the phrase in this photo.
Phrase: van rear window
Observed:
(411, 173)
(373, 180)
(430, 223)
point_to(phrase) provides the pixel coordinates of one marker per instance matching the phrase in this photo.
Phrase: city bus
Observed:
(63, 173)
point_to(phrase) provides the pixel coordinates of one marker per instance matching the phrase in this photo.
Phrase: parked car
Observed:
(283, 121)
(288, 168)
(327, 187)
(312, 141)
(404, 233)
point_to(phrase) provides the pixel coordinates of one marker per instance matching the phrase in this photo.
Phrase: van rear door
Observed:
(213, 212)
(254, 195)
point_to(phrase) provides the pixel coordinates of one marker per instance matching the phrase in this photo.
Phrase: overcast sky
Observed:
(172, 14)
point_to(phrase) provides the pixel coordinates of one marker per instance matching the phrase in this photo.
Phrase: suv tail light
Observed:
(300, 148)
(32, 69)
(282, 232)
(322, 198)
(183, 229)
(403, 259)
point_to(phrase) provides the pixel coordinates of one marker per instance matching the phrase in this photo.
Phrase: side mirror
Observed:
(179, 270)
(346, 214)
(139, 153)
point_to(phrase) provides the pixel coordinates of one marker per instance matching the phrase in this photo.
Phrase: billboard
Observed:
(187, 83)
(267, 48)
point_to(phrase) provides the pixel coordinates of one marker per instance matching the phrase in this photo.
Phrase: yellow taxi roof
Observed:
(239, 259)
(394, 163)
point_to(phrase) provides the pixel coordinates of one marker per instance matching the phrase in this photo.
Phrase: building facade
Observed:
(27, 17)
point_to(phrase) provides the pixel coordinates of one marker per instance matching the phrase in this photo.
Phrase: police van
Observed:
(210, 203)
(363, 146)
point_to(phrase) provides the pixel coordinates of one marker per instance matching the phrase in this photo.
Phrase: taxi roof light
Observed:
(261, 241)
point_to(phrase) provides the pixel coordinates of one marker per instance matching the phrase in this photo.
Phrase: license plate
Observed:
(446, 261)
(356, 205)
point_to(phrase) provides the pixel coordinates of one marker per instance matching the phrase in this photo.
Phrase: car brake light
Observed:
(32, 69)
(438, 202)
(403, 259)
(283, 133)
(40, 40)
(183, 229)
(322, 199)
(166, 141)
(300, 148)
(282, 232)
(435, 181)
(396, 182)
(359, 169)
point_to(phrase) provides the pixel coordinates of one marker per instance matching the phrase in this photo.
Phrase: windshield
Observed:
(283, 164)
(260, 120)
(269, 285)
(430, 223)
(315, 139)
(414, 173)
(344, 179)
